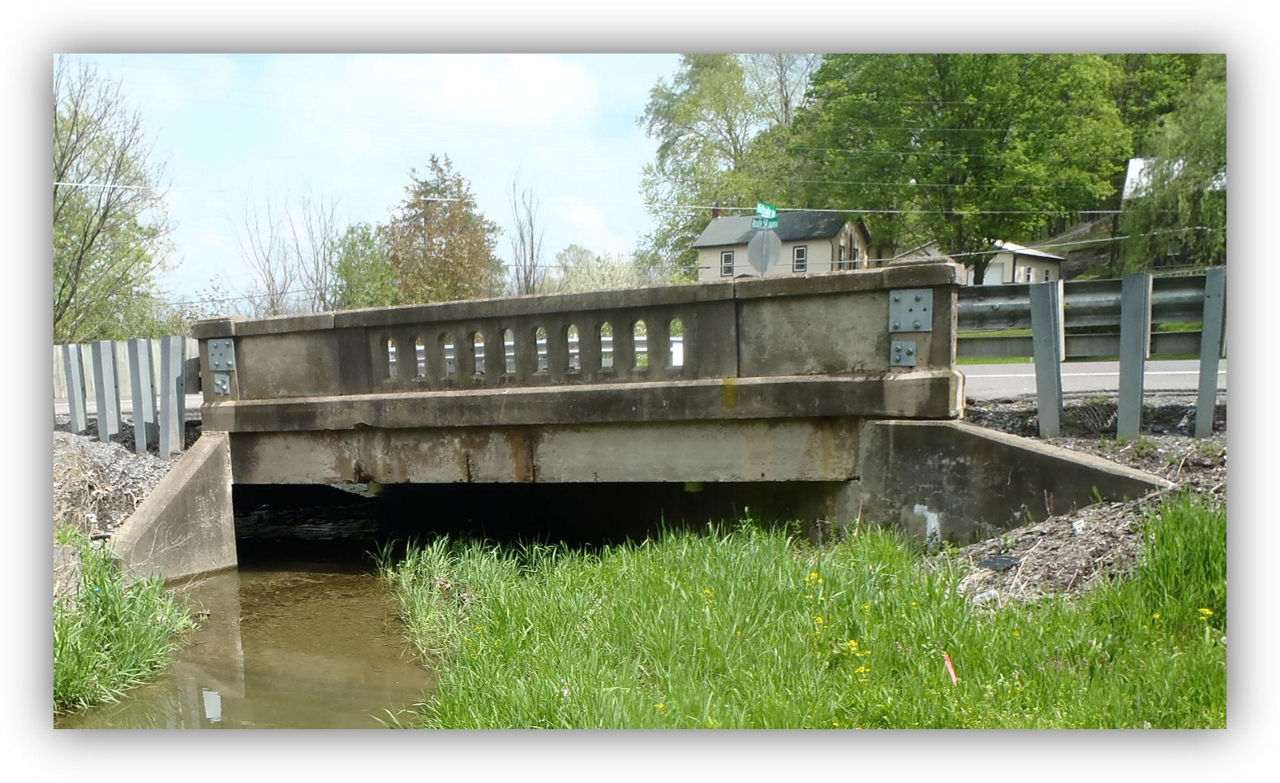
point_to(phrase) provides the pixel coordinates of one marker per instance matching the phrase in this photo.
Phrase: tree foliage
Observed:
(441, 246)
(1180, 215)
(109, 221)
(364, 276)
(721, 131)
(579, 269)
(961, 148)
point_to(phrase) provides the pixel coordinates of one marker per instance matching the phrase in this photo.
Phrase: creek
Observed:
(303, 634)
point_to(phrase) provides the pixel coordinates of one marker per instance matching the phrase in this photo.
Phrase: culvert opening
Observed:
(299, 523)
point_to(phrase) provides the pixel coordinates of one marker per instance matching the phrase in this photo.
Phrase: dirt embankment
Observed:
(1069, 553)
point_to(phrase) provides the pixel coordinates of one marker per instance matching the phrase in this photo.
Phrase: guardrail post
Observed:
(1211, 334)
(1048, 340)
(1135, 347)
(106, 392)
(74, 365)
(172, 395)
(144, 400)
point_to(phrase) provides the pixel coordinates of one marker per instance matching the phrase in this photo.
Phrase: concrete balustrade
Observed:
(833, 324)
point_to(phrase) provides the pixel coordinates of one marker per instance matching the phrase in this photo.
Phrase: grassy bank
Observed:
(750, 627)
(108, 637)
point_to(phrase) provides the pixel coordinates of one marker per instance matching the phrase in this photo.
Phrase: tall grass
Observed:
(109, 637)
(750, 627)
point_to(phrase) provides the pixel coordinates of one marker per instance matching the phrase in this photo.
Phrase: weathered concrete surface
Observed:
(958, 482)
(185, 526)
(926, 394)
(800, 449)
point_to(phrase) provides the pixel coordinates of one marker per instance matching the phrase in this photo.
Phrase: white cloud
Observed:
(241, 129)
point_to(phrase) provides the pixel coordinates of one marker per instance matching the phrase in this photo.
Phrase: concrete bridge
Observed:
(836, 394)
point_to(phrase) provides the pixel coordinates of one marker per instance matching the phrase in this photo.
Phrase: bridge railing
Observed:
(824, 324)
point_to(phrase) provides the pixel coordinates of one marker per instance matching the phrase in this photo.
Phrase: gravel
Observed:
(97, 485)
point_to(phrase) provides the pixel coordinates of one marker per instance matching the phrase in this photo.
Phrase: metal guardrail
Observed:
(152, 374)
(1086, 305)
(1097, 318)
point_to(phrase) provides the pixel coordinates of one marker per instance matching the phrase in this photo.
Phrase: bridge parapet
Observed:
(838, 324)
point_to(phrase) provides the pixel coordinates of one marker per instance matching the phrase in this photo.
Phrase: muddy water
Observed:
(280, 648)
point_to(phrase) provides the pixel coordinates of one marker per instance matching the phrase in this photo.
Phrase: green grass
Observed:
(749, 627)
(109, 637)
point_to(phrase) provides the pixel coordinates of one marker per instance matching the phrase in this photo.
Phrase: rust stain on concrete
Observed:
(729, 393)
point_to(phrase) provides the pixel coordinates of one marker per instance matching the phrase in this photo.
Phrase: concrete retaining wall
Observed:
(954, 481)
(185, 526)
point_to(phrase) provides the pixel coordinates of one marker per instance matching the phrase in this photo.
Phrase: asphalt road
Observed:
(987, 381)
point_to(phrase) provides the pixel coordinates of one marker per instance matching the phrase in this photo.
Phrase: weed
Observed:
(109, 636)
(745, 626)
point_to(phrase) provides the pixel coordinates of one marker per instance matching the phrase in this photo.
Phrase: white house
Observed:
(1018, 264)
(811, 242)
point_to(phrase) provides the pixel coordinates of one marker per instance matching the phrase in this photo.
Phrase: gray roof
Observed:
(791, 226)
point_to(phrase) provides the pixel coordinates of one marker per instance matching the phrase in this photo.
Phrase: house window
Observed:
(800, 258)
(1046, 275)
(726, 263)
(840, 257)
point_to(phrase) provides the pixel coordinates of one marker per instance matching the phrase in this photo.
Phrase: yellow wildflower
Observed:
(1205, 613)
(662, 705)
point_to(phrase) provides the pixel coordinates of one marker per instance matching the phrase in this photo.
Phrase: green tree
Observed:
(580, 269)
(960, 148)
(1180, 215)
(441, 246)
(364, 275)
(1149, 87)
(109, 221)
(710, 123)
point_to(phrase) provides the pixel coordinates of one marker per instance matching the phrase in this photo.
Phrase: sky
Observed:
(237, 132)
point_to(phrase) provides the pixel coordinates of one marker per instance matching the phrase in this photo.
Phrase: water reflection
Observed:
(279, 649)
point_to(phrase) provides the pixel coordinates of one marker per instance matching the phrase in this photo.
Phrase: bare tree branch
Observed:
(526, 244)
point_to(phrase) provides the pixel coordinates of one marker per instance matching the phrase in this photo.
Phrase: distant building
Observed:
(1018, 264)
(812, 242)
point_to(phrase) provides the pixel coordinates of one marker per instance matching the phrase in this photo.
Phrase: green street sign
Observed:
(766, 210)
(764, 222)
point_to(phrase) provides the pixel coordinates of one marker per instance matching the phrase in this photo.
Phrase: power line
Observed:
(108, 186)
(935, 184)
(860, 211)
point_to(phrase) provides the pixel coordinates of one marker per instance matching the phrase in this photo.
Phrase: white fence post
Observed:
(1135, 347)
(107, 393)
(74, 370)
(144, 400)
(1048, 340)
(1211, 334)
(172, 395)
